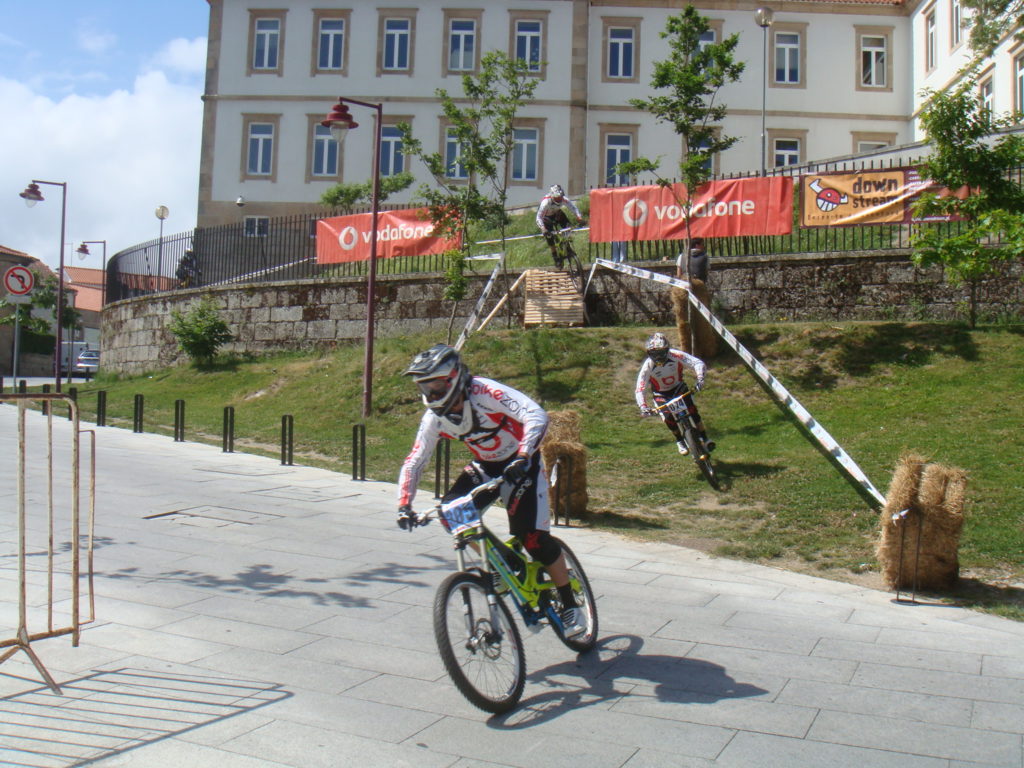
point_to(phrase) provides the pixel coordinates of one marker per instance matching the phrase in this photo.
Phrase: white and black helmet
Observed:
(657, 347)
(440, 375)
(556, 191)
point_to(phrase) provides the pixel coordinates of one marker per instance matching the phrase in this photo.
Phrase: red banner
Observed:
(399, 233)
(749, 206)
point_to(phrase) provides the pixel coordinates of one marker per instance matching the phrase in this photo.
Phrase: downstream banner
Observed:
(864, 197)
(407, 232)
(725, 208)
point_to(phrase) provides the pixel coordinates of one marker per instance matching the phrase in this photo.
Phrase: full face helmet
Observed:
(441, 376)
(657, 348)
(556, 191)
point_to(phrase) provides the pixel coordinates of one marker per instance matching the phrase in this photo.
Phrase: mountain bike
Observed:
(701, 456)
(478, 640)
(566, 257)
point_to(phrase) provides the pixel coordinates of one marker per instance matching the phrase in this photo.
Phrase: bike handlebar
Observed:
(423, 518)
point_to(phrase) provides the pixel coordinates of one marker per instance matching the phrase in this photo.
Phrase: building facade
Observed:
(826, 80)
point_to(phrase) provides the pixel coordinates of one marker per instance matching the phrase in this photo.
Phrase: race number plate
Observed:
(461, 515)
(676, 406)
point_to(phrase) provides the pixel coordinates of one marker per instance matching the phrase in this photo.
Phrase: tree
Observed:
(969, 160)
(471, 186)
(348, 195)
(991, 21)
(692, 77)
(200, 331)
(43, 297)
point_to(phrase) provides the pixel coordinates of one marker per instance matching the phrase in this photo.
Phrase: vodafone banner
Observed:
(399, 233)
(753, 206)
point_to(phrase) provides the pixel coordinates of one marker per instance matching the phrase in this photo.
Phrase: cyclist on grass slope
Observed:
(662, 371)
(551, 217)
(503, 429)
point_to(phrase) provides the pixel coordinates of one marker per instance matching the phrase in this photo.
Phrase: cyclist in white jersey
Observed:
(551, 217)
(662, 371)
(503, 429)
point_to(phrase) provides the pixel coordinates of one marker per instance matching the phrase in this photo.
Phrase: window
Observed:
(261, 149)
(392, 161)
(618, 148)
(1018, 83)
(871, 142)
(528, 42)
(986, 95)
(525, 152)
(453, 167)
(874, 64)
(709, 163)
(785, 146)
(256, 226)
(706, 39)
(396, 43)
(324, 162)
(787, 58)
(462, 45)
(266, 41)
(929, 42)
(621, 50)
(956, 23)
(330, 42)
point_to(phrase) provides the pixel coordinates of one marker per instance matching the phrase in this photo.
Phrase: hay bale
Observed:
(921, 525)
(679, 308)
(569, 496)
(563, 426)
(705, 339)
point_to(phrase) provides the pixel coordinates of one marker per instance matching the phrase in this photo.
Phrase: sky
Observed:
(106, 96)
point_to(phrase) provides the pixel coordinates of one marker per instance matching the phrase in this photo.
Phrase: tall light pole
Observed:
(764, 17)
(31, 195)
(161, 213)
(83, 251)
(340, 122)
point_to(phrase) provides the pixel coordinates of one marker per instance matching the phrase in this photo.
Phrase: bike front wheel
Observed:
(701, 457)
(482, 649)
(584, 601)
(573, 267)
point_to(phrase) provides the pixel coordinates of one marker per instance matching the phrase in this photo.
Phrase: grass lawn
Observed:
(943, 391)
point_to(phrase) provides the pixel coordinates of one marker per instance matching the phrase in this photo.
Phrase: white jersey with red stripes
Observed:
(664, 377)
(497, 422)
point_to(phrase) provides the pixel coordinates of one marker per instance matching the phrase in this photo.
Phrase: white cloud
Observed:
(121, 154)
(181, 55)
(95, 42)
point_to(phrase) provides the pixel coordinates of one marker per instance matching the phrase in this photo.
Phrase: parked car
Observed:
(88, 362)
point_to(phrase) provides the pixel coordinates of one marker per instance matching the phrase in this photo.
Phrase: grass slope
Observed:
(941, 390)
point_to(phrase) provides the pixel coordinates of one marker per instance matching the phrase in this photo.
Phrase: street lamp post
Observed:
(161, 213)
(31, 195)
(340, 122)
(764, 17)
(83, 251)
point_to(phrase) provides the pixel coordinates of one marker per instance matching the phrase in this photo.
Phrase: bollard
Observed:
(137, 415)
(229, 429)
(359, 452)
(1, 384)
(101, 408)
(73, 394)
(287, 438)
(442, 457)
(179, 421)
(22, 387)
(46, 403)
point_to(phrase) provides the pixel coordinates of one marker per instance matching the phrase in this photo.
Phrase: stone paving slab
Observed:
(251, 615)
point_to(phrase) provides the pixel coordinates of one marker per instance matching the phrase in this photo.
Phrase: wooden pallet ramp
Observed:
(551, 299)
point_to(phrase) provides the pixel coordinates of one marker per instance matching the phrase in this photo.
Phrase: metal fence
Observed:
(285, 249)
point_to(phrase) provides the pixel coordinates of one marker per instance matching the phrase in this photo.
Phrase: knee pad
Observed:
(542, 547)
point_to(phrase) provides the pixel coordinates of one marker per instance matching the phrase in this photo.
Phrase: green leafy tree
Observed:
(969, 159)
(482, 123)
(691, 78)
(991, 21)
(349, 195)
(200, 332)
(44, 297)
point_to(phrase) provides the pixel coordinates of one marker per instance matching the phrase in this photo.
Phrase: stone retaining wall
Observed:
(269, 316)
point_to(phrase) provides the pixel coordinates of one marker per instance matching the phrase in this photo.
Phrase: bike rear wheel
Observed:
(573, 267)
(584, 600)
(701, 457)
(485, 661)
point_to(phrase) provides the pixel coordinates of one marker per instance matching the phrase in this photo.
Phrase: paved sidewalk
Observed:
(250, 614)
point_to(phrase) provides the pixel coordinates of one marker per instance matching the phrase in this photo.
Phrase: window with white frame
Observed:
(331, 45)
(870, 146)
(325, 153)
(266, 43)
(987, 96)
(621, 45)
(256, 226)
(260, 149)
(785, 152)
(525, 154)
(709, 163)
(453, 167)
(392, 161)
(873, 61)
(462, 35)
(787, 58)
(528, 42)
(708, 37)
(930, 42)
(618, 148)
(1018, 83)
(864, 142)
(956, 23)
(397, 45)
